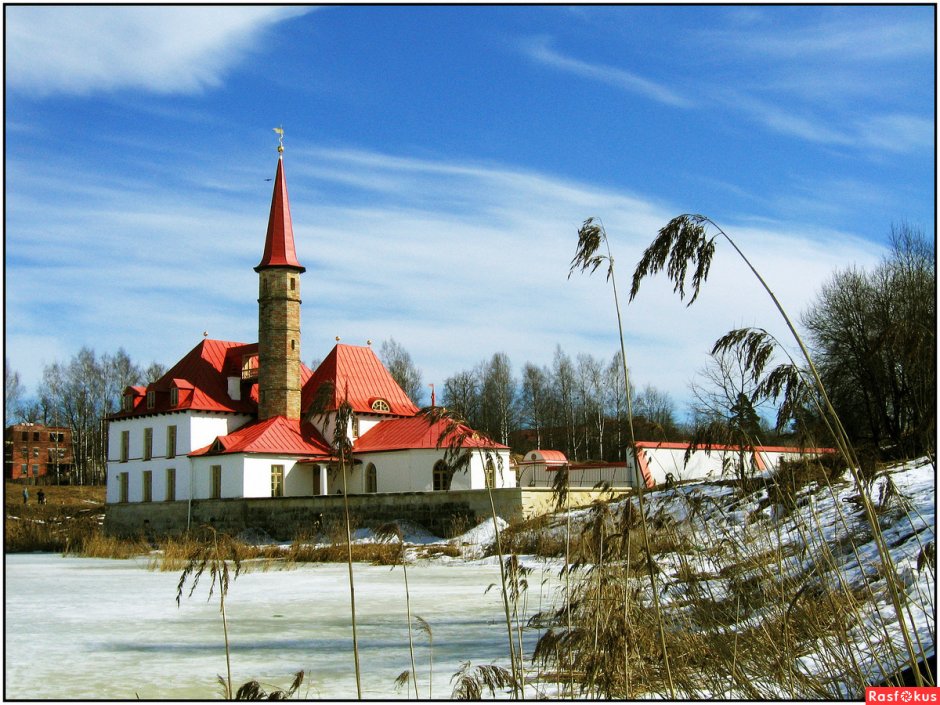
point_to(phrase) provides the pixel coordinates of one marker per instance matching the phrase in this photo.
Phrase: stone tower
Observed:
(279, 311)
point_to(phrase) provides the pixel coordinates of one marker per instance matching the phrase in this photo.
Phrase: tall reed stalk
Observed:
(590, 238)
(343, 446)
(459, 441)
(209, 556)
(683, 242)
(393, 531)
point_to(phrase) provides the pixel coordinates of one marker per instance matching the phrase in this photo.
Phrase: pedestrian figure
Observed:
(41, 496)
(25, 495)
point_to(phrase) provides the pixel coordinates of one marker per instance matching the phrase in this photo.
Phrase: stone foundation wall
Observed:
(444, 514)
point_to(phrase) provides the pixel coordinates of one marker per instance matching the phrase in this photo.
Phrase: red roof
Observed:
(279, 241)
(416, 432)
(204, 370)
(719, 446)
(552, 458)
(356, 374)
(277, 435)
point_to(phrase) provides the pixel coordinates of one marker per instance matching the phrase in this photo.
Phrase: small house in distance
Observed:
(34, 453)
(659, 463)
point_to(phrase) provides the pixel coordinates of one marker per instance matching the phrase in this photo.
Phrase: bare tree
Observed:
(534, 400)
(461, 394)
(565, 384)
(874, 338)
(657, 408)
(14, 394)
(398, 362)
(498, 398)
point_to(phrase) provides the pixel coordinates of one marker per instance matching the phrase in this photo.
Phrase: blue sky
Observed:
(440, 161)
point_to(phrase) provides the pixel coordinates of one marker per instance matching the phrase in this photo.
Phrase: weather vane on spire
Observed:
(280, 139)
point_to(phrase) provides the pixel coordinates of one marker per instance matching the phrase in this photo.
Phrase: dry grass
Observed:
(741, 604)
(70, 517)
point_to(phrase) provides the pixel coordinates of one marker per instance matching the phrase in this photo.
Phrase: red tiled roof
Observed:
(205, 368)
(202, 378)
(279, 241)
(356, 374)
(277, 435)
(416, 433)
(544, 457)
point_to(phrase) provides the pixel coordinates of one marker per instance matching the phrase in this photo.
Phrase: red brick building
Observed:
(32, 451)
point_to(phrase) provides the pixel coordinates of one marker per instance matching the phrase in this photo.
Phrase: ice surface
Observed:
(88, 628)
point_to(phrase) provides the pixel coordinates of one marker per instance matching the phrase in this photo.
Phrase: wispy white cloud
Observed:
(801, 78)
(844, 40)
(394, 259)
(165, 49)
(894, 132)
(539, 49)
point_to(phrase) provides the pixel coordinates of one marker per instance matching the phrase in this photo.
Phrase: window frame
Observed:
(440, 477)
(215, 482)
(170, 493)
(123, 487)
(171, 441)
(147, 452)
(146, 491)
(277, 480)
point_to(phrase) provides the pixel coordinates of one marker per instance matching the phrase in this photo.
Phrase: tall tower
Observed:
(279, 311)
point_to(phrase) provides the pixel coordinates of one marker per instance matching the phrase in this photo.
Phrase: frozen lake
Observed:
(83, 628)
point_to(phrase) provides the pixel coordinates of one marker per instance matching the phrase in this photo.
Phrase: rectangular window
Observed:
(277, 480)
(148, 486)
(170, 485)
(215, 490)
(24, 470)
(174, 396)
(25, 435)
(35, 435)
(125, 445)
(151, 399)
(171, 441)
(35, 471)
(35, 452)
(122, 482)
(148, 444)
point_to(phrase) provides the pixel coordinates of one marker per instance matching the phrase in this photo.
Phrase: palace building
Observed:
(250, 420)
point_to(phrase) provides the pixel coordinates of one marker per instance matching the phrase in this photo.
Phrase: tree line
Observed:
(79, 394)
(873, 334)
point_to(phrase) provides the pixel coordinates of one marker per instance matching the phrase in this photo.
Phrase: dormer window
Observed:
(381, 405)
(250, 366)
(128, 404)
(174, 396)
(151, 399)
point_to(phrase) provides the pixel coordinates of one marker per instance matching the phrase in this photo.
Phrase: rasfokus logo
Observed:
(902, 695)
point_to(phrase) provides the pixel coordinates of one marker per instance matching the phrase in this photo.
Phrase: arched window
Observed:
(441, 476)
(490, 473)
(380, 405)
(372, 484)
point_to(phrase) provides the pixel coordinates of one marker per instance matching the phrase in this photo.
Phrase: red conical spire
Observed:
(279, 242)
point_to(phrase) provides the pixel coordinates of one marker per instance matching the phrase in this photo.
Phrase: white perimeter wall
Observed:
(413, 471)
(714, 465)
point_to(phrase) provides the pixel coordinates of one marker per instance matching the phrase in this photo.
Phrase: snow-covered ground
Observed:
(88, 628)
